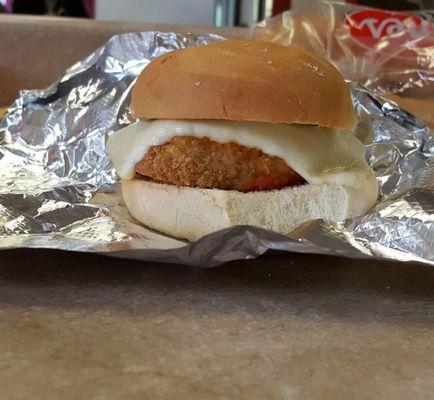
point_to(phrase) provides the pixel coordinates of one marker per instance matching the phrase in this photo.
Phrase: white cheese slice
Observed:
(319, 155)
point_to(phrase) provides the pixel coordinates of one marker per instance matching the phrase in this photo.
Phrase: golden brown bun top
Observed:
(243, 80)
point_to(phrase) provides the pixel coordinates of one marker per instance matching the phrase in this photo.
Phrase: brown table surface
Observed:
(77, 326)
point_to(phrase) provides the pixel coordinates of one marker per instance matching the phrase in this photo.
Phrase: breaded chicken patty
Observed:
(203, 163)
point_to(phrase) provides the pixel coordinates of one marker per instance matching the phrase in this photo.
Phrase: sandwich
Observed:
(241, 132)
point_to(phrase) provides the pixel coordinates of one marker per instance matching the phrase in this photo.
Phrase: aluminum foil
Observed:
(59, 190)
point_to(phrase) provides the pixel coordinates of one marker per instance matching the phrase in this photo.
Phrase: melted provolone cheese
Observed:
(319, 155)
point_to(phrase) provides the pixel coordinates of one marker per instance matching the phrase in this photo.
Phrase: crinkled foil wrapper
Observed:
(59, 190)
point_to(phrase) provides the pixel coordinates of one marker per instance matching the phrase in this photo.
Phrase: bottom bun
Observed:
(191, 213)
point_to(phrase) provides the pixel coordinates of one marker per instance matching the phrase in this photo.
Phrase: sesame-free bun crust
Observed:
(243, 80)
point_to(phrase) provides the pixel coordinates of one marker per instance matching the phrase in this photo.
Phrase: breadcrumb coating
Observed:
(203, 163)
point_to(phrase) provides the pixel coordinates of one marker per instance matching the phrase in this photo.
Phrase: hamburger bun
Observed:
(244, 80)
(191, 213)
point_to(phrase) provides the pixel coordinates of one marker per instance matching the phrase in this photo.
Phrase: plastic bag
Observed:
(391, 53)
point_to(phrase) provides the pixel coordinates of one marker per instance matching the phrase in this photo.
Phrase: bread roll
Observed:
(191, 213)
(244, 80)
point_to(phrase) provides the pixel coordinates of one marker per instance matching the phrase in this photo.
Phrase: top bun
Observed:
(244, 80)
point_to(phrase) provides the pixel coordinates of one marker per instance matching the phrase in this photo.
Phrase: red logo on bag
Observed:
(368, 27)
